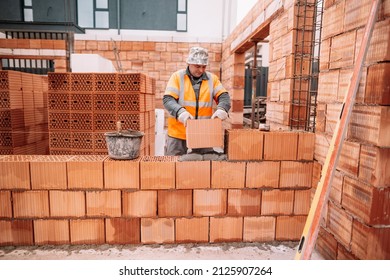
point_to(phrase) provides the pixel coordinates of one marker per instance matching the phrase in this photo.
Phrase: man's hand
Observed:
(183, 117)
(220, 113)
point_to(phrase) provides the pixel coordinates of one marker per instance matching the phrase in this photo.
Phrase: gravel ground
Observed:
(220, 251)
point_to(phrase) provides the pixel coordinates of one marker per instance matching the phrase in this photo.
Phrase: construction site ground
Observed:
(220, 251)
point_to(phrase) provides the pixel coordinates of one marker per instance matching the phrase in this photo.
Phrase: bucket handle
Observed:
(119, 127)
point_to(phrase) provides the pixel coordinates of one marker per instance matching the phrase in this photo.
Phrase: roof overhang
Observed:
(7, 25)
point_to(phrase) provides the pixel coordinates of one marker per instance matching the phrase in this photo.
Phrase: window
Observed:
(85, 13)
(27, 10)
(93, 13)
(101, 14)
(181, 15)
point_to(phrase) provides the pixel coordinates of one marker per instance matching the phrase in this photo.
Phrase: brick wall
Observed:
(91, 199)
(155, 59)
(356, 224)
(36, 49)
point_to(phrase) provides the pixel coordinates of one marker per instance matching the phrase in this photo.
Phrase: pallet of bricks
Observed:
(83, 106)
(23, 113)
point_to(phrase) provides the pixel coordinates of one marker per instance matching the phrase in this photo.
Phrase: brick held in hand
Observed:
(204, 133)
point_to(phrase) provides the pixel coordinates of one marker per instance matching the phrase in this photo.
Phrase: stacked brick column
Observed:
(23, 113)
(83, 106)
(290, 47)
(356, 224)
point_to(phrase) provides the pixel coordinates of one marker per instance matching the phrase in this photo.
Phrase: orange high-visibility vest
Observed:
(180, 87)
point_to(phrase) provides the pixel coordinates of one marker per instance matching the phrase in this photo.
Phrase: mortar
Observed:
(123, 144)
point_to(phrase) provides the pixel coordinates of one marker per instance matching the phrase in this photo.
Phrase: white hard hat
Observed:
(198, 55)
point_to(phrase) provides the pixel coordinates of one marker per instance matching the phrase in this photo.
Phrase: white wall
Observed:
(90, 63)
(207, 21)
(205, 18)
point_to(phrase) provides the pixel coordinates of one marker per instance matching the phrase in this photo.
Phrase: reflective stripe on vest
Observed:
(193, 103)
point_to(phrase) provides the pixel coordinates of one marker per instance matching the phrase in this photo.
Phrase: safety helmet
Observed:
(198, 55)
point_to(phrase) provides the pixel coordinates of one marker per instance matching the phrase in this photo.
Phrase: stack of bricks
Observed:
(356, 225)
(262, 194)
(23, 113)
(83, 106)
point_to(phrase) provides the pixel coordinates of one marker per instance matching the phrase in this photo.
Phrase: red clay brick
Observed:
(277, 202)
(104, 203)
(123, 231)
(226, 229)
(328, 87)
(225, 174)
(5, 204)
(192, 230)
(174, 203)
(322, 147)
(78, 166)
(337, 187)
(244, 202)
(366, 202)
(14, 174)
(342, 50)
(326, 245)
(289, 227)
(370, 243)
(159, 231)
(91, 45)
(35, 44)
(121, 174)
(379, 48)
(259, 229)
(67, 203)
(210, 202)
(344, 254)
(29, 204)
(51, 232)
(349, 158)
(294, 174)
(280, 145)
(305, 146)
(16, 232)
(204, 133)
(89, 231)
(49, 172)
(262, 174)
(140, 204)
(340, 224)
(317, 168)
(370, 124)
(157, 172)
(378, 84)
(193, 174)
(245, 144)
(302, 202)
(373, 166)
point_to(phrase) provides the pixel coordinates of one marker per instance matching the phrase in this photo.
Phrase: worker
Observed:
(189, 95)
